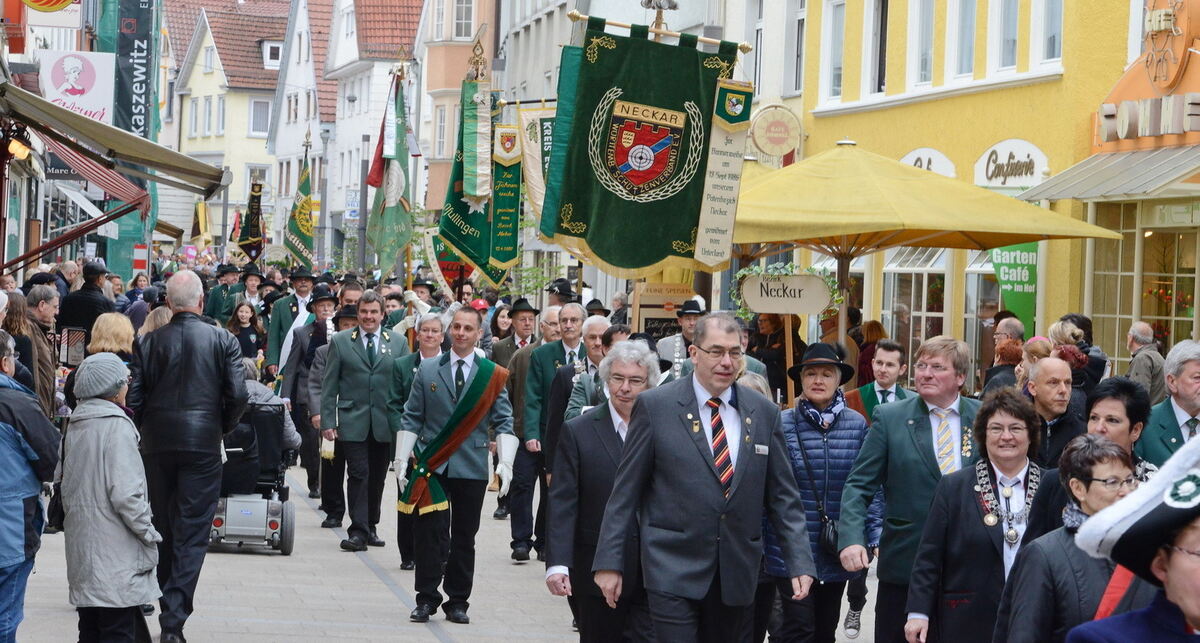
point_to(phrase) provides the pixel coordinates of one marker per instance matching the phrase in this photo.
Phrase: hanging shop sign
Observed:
(654, 307)
(776, 131)
(137, 66)
(785, 294)
(68, 16)
(1016, 270)
(1013, 163)
(927, 158)
(79, 81)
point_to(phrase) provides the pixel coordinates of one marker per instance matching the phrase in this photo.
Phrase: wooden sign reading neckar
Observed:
(785, 294)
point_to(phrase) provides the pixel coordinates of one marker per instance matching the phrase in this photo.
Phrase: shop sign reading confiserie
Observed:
(785, 294)
(1012, 163)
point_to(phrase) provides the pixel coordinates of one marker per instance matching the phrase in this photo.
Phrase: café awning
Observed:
(1167, 172)
(107, 145)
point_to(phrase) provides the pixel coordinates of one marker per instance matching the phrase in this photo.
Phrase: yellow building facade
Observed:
(999, 93)
(225, 91)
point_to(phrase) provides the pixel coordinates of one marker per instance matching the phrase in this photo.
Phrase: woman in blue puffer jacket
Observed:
(823, 438)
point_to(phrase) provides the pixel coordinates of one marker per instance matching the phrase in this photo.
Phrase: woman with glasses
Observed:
(980, 518)
(1054, 585)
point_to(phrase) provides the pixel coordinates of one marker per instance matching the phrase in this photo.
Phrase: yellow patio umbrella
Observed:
(847, 202)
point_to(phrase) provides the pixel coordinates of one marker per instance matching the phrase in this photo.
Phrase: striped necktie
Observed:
(1191, 427)
(944, 448)
(720, 447)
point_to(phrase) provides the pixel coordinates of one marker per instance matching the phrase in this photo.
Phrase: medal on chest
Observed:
(994, 511)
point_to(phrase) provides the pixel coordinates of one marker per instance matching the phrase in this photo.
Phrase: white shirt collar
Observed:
(1019, 480)
(891, 390)
(952, 407)
(620, 425)
(702, 394)
(578, 349)
(469, 359)
(1181, 416)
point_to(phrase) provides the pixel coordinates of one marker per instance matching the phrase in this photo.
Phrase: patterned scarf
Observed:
(1073, 516)
(822, 418)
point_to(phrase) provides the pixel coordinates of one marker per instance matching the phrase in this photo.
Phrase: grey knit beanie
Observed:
(100, 375)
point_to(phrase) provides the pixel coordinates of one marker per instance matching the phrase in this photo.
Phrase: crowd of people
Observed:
(669, 487)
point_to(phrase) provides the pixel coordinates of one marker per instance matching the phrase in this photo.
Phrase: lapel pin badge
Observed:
(433, 388)
(747, 438)
(695, 426)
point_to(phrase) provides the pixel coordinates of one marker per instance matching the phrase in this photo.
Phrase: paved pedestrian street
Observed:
(321, 593)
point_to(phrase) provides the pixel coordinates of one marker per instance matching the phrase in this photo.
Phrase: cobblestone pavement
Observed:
(321, 593)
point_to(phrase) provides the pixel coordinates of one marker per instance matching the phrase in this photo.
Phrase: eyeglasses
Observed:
(616, 381)
(1014, 430)
(1185, 551)
(718, 353)
(1114, 484)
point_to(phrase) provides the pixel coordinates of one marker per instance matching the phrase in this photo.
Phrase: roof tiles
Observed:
(384, 25)
(239, 38)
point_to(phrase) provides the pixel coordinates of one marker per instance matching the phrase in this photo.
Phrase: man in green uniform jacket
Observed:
(283, 316)
(223, 296)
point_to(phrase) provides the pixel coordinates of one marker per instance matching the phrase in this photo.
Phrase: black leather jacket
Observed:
(188, 386)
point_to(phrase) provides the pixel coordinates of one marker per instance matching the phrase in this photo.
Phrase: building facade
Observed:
(1019, 79)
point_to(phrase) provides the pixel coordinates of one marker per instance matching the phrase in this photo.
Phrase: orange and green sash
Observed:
(424, 493)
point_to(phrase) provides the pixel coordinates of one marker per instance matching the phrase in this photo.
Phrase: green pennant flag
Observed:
(465, 225)
(250, 237)
(298, 238)
(506, 197)
(389, 225)
(629, 157)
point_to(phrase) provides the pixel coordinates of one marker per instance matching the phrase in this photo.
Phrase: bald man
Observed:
(1050, 386)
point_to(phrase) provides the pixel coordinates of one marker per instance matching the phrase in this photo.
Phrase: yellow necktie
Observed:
(945, 442)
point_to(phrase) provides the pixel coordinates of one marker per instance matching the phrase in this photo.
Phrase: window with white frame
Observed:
(272, 54)
(348, 22)
(1137, 23)
(754, 22)
(1048, 31)
(834, 28)
(1006, 53)
(193, 116)
(960, 44)
(170, 111)
(439, 20)
(920, 38)
(210, 58)
(260, 117)
(208, 113)
(257, 174)
(439, 140)
(220, 115)
(875, 51)
(464, 19)
(794, 46)
(299, 45)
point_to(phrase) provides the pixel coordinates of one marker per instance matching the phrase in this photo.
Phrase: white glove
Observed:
(404, 449)
(506, 451)
(419, 306)
(403, 325)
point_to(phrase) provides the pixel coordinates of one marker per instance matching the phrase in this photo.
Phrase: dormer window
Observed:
(272, 54)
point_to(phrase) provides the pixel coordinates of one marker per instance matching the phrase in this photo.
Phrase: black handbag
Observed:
(56, 514)
(827, 538)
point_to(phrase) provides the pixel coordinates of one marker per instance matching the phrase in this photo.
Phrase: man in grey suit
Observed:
(524, 320)
(295, 384)
(451, 463)
(704, 458)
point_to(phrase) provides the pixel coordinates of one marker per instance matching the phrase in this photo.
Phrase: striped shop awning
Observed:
(111, 182)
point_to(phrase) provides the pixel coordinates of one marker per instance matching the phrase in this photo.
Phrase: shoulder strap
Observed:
(1118, 584)
(808, 468)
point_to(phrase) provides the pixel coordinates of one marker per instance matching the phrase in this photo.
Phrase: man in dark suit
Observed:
(81, 308)
(565, 379)
(1175, 420)
(354, 412)
(284, 313)
(704, 459)
(333, 468)
(589, 453)
(911, 445)
(589, 392)
(1050, 386)
(888, 366)
(295, 385)
(527, 533)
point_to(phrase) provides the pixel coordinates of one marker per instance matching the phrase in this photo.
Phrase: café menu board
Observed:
(654, 308)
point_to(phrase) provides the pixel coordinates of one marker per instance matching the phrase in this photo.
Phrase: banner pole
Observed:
(575, 16)
(787, 348)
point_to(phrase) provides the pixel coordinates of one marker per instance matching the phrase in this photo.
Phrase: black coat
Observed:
(958, 574)
(555, 408)
(998, 377)
(81, 308)
(589, 452)
(188, 387)
(1054, 586)
(1055, 438)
